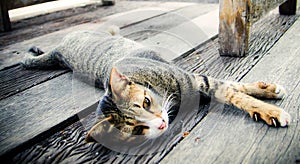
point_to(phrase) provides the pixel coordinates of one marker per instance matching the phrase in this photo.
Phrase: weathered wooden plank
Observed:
(36, 93)
(228, 136)
(46, 8)
(21, 12)
(68, 145)
(27, 29)
(189, 34)
(25, 79)
(4, 17)
(30, 113)
(12, 54)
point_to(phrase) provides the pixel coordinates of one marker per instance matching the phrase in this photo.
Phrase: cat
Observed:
(141, 87)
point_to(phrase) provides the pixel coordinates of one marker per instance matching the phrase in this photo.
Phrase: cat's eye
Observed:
(146, 103)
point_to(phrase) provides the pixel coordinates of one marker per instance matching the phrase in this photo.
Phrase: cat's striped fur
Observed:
(141, 87)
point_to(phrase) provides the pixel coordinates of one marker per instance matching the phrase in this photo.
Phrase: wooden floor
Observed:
(45, 114)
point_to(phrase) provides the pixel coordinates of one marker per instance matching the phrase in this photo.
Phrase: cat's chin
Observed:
(153, 135)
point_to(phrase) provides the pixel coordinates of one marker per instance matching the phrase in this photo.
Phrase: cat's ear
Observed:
(98, 131)
(106, 133)
(119, 84)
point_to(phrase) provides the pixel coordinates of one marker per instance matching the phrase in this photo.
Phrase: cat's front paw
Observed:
(280, 92)
(271, 90)
(275, 117)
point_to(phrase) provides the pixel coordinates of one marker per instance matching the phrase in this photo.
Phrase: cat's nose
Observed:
(162, 125)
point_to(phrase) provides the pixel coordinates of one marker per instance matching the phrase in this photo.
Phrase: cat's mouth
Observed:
(163, 125)
(143, 129)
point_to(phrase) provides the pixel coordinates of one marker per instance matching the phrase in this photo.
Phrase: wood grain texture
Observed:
(29, 113)
(67, 145)
(17, 79)
(227, 135)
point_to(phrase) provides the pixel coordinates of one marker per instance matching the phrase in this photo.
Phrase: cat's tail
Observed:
(114, 30)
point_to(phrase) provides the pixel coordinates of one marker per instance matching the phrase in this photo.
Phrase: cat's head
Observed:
(141, 111)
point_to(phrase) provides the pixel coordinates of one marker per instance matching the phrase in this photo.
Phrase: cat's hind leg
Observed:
(36, 58)
(261, 90)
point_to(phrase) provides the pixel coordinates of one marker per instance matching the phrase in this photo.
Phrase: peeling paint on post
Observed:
(234, 27)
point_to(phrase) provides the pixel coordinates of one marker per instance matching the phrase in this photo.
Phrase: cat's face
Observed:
(139, 102)
(145, 112)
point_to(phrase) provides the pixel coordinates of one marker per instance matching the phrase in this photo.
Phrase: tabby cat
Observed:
(141, 87)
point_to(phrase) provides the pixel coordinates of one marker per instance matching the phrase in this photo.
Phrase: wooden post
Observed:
(288, 8)
(4, 16)
(234, 27)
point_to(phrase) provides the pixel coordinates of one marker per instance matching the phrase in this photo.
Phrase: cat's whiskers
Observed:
(168, 102)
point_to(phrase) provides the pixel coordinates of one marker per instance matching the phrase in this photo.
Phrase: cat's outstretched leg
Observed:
(239, 95)
(257, 109)
(36, 58)
(261, 90)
